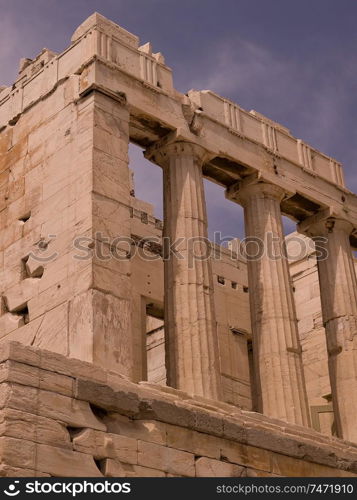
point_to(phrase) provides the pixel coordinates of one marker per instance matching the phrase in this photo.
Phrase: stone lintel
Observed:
(215, 133)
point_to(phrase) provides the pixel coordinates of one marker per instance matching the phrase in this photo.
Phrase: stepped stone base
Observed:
(63, 417)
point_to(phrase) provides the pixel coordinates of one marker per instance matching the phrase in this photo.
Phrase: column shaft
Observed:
(277, 352)
(339, 310)
(192, 358)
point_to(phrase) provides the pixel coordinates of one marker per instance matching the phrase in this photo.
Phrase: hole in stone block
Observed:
(252, 377)
(234, 285)
(3, 306)
(24, 273)
(14, 120)
(25, 217)
(245, 289)
(100, 413)
(221, 280)
(100, 464)
(38, 272)
(23, 311)
(74, 431)
(33, 271)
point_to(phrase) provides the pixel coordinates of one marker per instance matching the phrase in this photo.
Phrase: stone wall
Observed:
(65, 179)
(79, 420)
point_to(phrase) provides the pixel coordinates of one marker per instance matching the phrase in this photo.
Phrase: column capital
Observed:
(163, 151)
(324, 223)
(254, 185)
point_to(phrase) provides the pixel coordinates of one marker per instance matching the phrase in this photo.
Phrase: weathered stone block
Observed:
(20, 373)
(139, 471)
(145, 430)
(55, 406)
(194, 442)
(16, 424)
(9, 471)
(70, 411)
(208, 422)
(18, 296)
(59, 364)
(245, 455)
(166, 459)
(98, 324)
(234, 429)
(106, 445)
(18, 453)
(208, 467)
(10, 322)
(65, 463)
(18, 352)
(287, 466)
(166, 411)
(124, 401)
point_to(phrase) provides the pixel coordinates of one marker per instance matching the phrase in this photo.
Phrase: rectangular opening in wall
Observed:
(146, 186)
(155, 345)
(251, 374)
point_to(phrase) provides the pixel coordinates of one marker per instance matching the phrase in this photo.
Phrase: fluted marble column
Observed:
(338, 287)
(279, 374)
(192, 358)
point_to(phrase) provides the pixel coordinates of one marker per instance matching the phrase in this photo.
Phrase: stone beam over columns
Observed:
(241, 142)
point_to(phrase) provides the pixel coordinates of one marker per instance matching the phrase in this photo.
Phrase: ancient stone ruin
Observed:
(119, 358)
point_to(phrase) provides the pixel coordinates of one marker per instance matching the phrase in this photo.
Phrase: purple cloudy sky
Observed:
(294, 61)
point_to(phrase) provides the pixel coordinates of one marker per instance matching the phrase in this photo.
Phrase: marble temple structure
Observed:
(132, 346)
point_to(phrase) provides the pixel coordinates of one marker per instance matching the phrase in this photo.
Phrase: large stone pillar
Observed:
(192, 358)
(99, 317)
(338, 288)
(276, 349)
